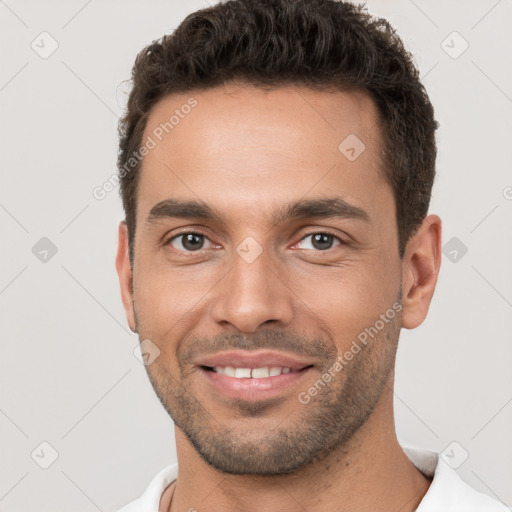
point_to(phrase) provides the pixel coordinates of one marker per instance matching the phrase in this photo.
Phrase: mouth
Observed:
(245, 376)
(253, 373)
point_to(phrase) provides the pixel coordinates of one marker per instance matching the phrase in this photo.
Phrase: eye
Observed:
(321, 241)
(188, 242)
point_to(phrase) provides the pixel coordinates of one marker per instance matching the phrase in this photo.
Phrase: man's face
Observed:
(254, 280)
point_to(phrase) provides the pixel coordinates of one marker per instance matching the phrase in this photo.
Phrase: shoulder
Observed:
(448, 492)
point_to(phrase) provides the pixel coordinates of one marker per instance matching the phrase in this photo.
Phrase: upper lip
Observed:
(259, 359)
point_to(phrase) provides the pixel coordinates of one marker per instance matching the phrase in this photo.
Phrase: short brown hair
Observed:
(316, 43)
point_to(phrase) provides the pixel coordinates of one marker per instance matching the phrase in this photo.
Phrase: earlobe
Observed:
(124, 272)
(420, 270)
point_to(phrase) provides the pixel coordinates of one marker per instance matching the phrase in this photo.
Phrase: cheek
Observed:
(165, 298)
(351, 298)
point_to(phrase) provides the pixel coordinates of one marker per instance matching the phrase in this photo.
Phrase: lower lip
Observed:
(254, 389)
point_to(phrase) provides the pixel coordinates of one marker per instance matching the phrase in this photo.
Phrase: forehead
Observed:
(246, 146)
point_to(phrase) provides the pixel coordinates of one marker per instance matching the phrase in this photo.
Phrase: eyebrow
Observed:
(333, 207)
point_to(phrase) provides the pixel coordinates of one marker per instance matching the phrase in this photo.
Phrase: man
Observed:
(276, 164)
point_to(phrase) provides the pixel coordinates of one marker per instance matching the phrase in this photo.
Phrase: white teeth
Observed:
(241, 373)
(259, 373)
(255, 373)
(229, 371)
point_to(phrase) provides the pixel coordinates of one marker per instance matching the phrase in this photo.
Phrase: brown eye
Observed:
(321, 241)
(188, 242)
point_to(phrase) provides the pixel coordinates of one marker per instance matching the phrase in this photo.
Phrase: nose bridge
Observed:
(251, 293)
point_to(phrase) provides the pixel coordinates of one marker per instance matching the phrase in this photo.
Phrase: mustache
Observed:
(308, 346)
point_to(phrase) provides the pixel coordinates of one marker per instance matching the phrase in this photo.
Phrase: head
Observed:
(276, 164)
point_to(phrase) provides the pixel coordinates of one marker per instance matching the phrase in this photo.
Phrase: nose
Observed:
(252, 294)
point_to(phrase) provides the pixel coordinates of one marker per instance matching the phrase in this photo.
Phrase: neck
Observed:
(370, 472)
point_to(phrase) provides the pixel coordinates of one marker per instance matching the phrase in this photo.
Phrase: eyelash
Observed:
(199, 233)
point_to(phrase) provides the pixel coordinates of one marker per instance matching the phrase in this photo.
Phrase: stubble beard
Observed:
(323, 426)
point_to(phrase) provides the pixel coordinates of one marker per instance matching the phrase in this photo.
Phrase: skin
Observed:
(245, 152)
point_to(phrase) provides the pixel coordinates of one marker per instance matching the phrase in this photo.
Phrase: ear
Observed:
(124, 271)
(420, 269)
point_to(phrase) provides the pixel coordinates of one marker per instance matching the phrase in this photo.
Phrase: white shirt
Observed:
(447, 492)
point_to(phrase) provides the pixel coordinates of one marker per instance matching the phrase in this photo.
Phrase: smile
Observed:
(254, 384)
(251, 373)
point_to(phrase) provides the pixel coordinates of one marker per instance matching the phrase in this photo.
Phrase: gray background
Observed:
(68, 373)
